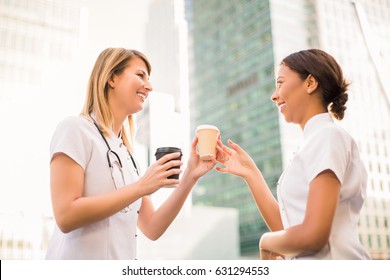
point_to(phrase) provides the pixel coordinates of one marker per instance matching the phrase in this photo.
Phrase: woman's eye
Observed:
(140, 75)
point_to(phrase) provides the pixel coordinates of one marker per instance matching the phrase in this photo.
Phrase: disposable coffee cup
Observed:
(207, 141)
(162, 151)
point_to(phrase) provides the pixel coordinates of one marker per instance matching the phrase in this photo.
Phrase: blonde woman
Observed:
(98, 195)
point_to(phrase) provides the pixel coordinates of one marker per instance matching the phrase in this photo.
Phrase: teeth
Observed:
(143, 96)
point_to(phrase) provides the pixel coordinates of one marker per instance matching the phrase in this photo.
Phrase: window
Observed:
(368, 221)
(379, 240)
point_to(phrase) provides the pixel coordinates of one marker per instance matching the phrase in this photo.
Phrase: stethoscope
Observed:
(118, 161)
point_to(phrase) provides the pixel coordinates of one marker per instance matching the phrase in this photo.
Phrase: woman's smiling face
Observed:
(130, 88)
(290, 94)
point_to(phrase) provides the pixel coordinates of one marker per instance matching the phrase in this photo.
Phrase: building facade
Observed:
(235, 47)
(231, 80)
(38, 38)
(32, 34)
(166, 48)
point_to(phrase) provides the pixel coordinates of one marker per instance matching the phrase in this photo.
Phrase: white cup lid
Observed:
(207, 126)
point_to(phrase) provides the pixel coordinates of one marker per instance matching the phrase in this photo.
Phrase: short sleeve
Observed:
(70, 138)
(327, 150)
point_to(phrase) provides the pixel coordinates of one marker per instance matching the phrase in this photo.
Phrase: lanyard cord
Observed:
(109, 149)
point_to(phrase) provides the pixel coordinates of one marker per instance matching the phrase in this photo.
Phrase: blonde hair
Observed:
(110, 61)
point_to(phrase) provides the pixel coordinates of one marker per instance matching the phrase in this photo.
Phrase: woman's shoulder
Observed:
(79, 120)
(74, 123)
(75, 127)
(74, 137)
(333, 131)
(331, 137)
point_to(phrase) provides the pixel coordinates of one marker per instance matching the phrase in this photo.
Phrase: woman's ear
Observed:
(111, 81)
(312, 84)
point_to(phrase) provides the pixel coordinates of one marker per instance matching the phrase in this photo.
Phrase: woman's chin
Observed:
(287, 118)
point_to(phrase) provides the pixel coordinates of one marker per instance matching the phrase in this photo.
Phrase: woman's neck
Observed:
(311, 114)
(117, 123)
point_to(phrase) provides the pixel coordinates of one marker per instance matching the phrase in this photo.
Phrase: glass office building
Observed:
(232, 79)
(235, 46)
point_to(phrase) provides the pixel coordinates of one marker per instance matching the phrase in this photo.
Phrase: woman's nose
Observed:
(148, 86)
(275, 96)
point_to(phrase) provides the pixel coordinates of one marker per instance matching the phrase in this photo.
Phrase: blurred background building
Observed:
(38, 40)
(213, 62)
(235, 47)
(165, 122)
(232, 78)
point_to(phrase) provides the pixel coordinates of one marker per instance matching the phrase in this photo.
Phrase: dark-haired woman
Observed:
(322, 190)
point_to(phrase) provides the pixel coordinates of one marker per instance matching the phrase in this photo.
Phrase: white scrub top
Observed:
(111, 238)
(326, 146)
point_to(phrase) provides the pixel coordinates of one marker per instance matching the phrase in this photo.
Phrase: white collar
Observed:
(315, 123)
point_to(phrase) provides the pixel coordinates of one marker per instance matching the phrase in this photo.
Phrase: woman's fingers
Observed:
(223, 149)
(220, 152)
(227, 150)
(173, 171)
(221, 169)
(235, 146)
(193, 145)
(171, 164)
(168, 163)
(168, 157)
(222, 157)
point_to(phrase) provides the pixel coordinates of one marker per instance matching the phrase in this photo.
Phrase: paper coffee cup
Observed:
(207, 141)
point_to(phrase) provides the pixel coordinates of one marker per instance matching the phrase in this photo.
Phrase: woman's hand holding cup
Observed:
(164, 172)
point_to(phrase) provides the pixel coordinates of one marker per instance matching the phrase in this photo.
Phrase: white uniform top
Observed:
(111, 238)
(326, 146)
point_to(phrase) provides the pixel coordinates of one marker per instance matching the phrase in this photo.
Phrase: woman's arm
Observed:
(264, 199)
(154, 223)
(313, 233)
(72, 210)
(239, 163)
